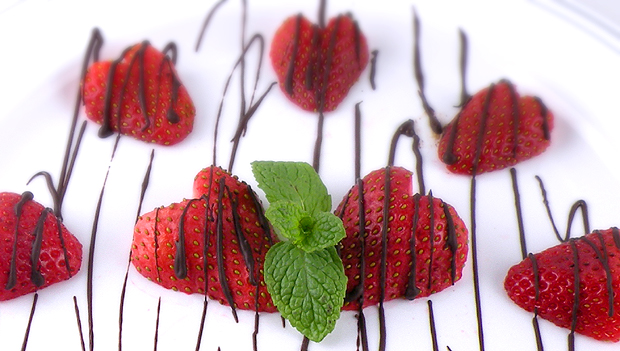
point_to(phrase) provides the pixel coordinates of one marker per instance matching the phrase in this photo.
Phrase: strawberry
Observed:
(31, 233)
(244, 242)
(439, 256)
(317, 66)
(546, 282)
(144, 99)
(496, 127)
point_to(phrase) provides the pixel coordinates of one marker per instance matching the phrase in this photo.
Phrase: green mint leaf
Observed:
(290, 221)
(292, 181)
(286, 218)
(308, 288)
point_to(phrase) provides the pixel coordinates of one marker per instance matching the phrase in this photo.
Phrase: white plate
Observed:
(559, 57)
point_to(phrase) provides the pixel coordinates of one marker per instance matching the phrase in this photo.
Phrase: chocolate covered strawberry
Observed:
(317, 65)
(574, 283)
(36, 250)
(215, 243)
(424, 246)
(496, 128)
(140, 95)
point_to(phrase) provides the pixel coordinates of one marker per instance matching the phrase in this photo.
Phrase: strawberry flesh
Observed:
(437, 259)
(550, 288)
(145, 98)
(316, 66)
(505, 140)
(237, 243)
(59, 257)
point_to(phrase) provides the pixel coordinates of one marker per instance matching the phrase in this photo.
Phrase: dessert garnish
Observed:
(424, 252)
(496, 128)
(573, 284)
(317, 64)
(140, 95)
(37, 250)
(303, 272)
(212, 244)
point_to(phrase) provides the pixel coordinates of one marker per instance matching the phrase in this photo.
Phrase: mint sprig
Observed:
(303, 273)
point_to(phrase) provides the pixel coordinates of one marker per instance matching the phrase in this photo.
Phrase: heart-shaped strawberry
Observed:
(574, 283)
(36, 250)
(317, 66)
(143, 98)
(169, 243)
(496, 128)
(425, 246)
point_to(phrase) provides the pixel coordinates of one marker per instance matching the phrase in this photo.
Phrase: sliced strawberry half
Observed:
(140, 95)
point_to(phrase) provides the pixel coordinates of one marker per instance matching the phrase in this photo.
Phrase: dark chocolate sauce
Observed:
(517, 196)
(431, 322)
(412, 290)
(373, 68)
(79, 322)
(138, 59)
(145, 184)
(244, 246)
(451, 240)
(30, 319)
(384, 242)
(577, 283)
(314, 57)
(12, 280)
(288, 81)
(524, 254)
(316, 158)
(35, 274)
(463, 67)
(321, 14)
(580, 204)
(431, 240)
(156, 338)
(419, 76)
(472, 203)
(220, 248)
(206, 22)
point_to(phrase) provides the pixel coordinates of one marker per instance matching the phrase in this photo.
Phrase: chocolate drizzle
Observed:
(384, 243)
(138, 59)
(580, 204)
(431, 322)
(431, 240)
(220, 248)
(412, 290)
(472, 204)
(463, 67)
(76, 308)
(290, 72)
(35, 274)
(156, 338)
(30, 319)
(524, 254)
(180, 259)
(419, 76)
(577, 283)
(12, 280)
(373, 68)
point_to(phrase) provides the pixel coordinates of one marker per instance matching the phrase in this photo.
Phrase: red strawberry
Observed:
(515, 129)
(146, 97)
(439, 256)
(244, 243)
(550, 287)
(24, 225)
(316, 66)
